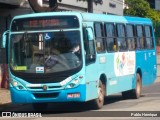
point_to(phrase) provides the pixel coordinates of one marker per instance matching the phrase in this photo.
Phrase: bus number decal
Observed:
(102, 59)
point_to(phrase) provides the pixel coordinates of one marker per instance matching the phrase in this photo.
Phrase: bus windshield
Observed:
(47, 52)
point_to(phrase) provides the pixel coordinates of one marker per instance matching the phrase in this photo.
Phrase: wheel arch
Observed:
(103, 79)
(139, 71)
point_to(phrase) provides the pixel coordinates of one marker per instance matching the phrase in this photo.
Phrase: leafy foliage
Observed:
(141, 8)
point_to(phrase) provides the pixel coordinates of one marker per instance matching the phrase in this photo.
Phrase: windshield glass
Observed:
(48, 52)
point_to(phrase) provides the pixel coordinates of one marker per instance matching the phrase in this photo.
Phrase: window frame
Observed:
(114, 37)
(134, 36)
(151, 37)
(102, 37)
(124, 26)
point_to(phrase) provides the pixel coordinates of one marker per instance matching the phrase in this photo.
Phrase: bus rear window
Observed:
(45, 23)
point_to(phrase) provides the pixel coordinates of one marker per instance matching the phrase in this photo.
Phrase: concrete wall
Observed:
(5, 19)
(6, 16)
(108, 6)
(13, 2)
(157, 4)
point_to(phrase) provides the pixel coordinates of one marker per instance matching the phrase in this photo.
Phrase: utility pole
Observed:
(37, 5)
(90, 6)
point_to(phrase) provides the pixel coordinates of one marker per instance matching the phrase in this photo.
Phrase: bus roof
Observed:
(93, 17)
(47, 14)
(115, 18)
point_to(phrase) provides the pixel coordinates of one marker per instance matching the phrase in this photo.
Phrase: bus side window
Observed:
(99, 34)
(89, 45)
(152, 39)
(111, 42)
(130, 36)
(122, 43)
(140, 38)
(148, 36)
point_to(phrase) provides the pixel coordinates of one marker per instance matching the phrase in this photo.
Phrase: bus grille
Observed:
(46, 95)
(41, 88)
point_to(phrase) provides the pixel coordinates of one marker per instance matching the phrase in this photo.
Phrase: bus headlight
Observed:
(16, 84)
(73, 83)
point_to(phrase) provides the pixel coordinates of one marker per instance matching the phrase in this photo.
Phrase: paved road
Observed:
(149, 101)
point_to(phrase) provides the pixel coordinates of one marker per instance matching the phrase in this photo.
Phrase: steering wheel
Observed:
(52, 60)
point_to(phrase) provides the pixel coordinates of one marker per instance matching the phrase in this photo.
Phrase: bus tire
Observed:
(40, 106)
(135, 93)
(98, 102)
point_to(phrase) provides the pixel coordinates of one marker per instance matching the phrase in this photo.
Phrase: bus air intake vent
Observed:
(46, 95)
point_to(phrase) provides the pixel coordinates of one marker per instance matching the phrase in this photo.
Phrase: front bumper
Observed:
(24, 96)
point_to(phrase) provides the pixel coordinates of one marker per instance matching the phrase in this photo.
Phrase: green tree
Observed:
(137, 8)
(141, 8)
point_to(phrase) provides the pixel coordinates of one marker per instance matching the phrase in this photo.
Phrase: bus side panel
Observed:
(141, 66)
(124, 83)
(112, 79)
(91, 82)
(146, 63)
(152, 66)
(123, 78)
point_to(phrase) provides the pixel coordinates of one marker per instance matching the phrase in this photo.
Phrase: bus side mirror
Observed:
(90, 46)
(4, 39)
(90, 35)
(4, 48)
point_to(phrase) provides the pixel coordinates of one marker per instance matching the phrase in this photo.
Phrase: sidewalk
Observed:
(4, 96)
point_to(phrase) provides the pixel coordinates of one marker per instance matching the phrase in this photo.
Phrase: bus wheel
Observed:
(40, 106)
(135, 93)
(98, 103)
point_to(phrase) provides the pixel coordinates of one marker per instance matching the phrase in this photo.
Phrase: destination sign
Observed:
(45, 23)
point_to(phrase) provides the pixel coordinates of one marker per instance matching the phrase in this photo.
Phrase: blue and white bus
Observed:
(79, 57)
